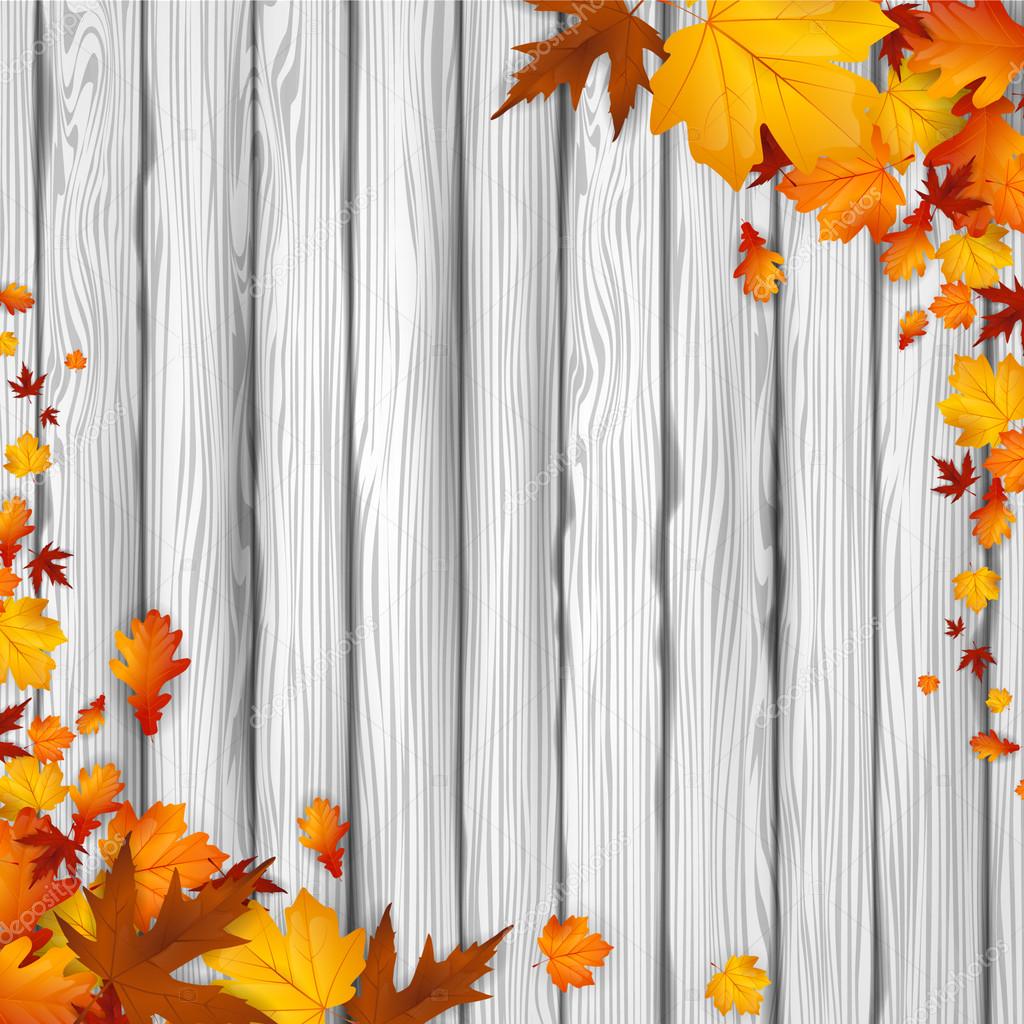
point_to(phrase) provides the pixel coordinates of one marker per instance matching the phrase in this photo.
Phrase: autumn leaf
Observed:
(954, 305)
(27, 456)
(976, 587)
(1005, 188)
(239, 868)
(95, 796)
(907, 18)
(436, 986)
(296, 976)
(75, 360)
(55, 850)
(975, 260)
(759, 267)
(91, 718)
(773, 159)
(38, 991)
(954, 629)
(48, 417)
(25, 637)
(977, 659)
(1003, 321)
(324, 831)
(910, 248)
(992, 520)
(571, 950)
(927, 684)
(605, 28)
(25, 385)
(8, 343)
(47, 563)
(49, 738)
(912, 326)
(988, 746)
(911, 116)
(985, 402)
(149, 664)
(738, 986)
(17, 298)
(948, 193)
(776, 59)
(140, 966)
(27, 783)
(10, 719)
(9, 581)
(966, 44)
(957, 480)
(998, 700)
(14, 516)
(1007, 461)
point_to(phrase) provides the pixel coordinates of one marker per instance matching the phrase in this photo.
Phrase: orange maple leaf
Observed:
(17, 298)
(149, 664)
(1020, 789)
(91, 718)
(94, 796)
(604, 27)
(324, 831)
(571, 950)
(1007, 461)
(160, 848)
(992, 520)
(9, 581)
(988, 746)
(75, 360)
(758, 268)
(912, 326)
(927, 684)
(49, 738)
(14, 516)
(954, 305)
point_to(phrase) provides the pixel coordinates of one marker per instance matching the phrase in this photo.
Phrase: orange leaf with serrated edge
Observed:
(17, 298)
(988, 746)
(953, 304)
(927, 684)
(992, 520)
(90, 719)
(49, 738)
(571, 950)
(436, 986)
(759, 267)
(324, 831)
(38, 991)
(160, 847)
(95, 796)
(605, 27)
(911, 247)
(14, 517)
(9, 581)
(912, 326)
(149, 664)
(75, 360)
(1007, 461)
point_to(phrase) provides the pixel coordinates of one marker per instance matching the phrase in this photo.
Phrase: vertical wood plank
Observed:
(407, 497)
(303, 629)
(512, 472)
(92, 499)
(613, 609)
(198, 404)
(720, 548)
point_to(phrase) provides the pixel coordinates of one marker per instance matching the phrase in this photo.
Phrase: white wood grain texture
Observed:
(301, 678)
(930, 830)
(613, 612)
(90, 190)
(197, 401)
(512, 470)
(407, 491)
(825, 729)
(720, 550)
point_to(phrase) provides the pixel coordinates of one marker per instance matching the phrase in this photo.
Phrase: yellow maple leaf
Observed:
(985, 402)
(910, 115)
(296, 976)
(25, 637)
(998, 700)
(769, 62)
(40, 992)
(738, 986)
(27, 456)
(927, 684)
(27, 783)
(976, 261)
(8, 344)
(976, 587)
(953, 304)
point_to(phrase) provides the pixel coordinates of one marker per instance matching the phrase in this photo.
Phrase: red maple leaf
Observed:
(1002, 321)
(908, 18)
(957, 480)
(48, 417)
(954, 628)
(977, 658)
(947, 195)
(239, 870)
(55, 849)
(10, 719)
(46, 563)
(24, 386)
(773, 159)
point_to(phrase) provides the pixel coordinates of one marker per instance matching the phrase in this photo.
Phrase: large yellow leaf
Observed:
(294, 978)
(976, 587)
(910, 116)
(770, 62)
(975, 261)
(738, 986)
(27, 783)
(986, 402)
(25, 637)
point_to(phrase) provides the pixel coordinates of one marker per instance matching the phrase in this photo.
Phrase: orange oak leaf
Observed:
(139, 967)
(759, 267)
(436, 986)
(48, 417)
(1003, 321)
(25, 385)
(324, 831)
(95, 796)
(149, 664)
(911, 247)
(992, 520)
(75, 360)
(49, 738)
(953, 304)
(1007, 461)
(988, 746)
(604, 27)
(14, 517)
(160, 848)
(10, 719)
(912, 326)
(957, 480)
(17, 298)
(90, 719)
(571, 950)
(977, 659)
(954, 629)
(47, 563)
(927, 684)
(9, 581)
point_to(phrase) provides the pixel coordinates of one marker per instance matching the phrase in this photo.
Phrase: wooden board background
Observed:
(492, 510)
